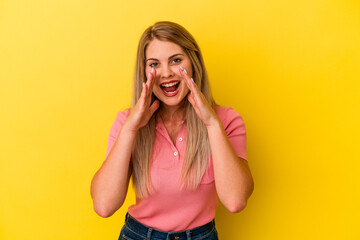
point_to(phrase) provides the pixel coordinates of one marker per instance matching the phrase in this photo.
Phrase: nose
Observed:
(166, 72)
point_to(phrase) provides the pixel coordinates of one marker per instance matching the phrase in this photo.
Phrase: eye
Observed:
(154, 64)
(177, 60)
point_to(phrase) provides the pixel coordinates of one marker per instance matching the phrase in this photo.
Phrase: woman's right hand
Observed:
(142, 111)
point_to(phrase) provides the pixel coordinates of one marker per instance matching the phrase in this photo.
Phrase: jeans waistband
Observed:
(148, 232)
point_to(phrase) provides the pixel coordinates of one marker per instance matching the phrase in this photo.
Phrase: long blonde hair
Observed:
(197, 153)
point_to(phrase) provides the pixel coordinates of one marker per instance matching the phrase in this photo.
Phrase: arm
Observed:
(110, 183)
(233, 180)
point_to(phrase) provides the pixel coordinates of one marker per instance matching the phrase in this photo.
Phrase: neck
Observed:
(172, 113)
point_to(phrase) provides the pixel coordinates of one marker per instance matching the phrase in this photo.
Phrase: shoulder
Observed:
(230, 118)
(115, 128)
(119, 120)
(122, 116)
(227, 114)
(220, 110)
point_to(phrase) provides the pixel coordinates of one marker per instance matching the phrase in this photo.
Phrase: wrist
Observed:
(215, 123)
(128, 129)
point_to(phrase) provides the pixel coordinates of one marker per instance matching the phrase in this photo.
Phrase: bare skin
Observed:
(173, 129)
(167, 62)
(233, 179)
(110, 183)
(173, 121)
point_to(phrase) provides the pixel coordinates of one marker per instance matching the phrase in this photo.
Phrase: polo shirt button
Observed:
(180, 139)
(175, 153)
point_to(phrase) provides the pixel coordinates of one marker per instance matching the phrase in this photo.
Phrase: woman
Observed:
(181, 149)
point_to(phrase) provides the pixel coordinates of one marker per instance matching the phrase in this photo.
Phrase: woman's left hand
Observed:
(202, 107)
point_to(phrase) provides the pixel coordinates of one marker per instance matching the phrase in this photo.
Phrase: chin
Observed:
(172, 103)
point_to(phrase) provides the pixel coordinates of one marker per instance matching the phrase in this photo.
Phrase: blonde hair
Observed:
(197, 153)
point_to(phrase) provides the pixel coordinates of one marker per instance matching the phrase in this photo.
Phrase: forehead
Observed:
(162, 49)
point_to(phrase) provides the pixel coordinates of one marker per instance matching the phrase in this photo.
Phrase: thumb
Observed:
(191, 99)
(155, 105)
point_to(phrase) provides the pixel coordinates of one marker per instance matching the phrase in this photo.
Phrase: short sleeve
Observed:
(115, 129)
(235, 129)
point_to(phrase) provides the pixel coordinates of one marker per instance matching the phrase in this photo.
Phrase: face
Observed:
(166, 58)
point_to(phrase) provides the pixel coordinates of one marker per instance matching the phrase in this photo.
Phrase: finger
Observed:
(143, 94)
(150, 77)
(153, 80)
(191, 99)
(191, 85)
(154, 106)
(187, 79)
(149, 81)
(194, 104)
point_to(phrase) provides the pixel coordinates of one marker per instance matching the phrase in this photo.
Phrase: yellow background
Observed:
(290, 68)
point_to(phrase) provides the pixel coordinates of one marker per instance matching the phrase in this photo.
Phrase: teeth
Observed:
(169, 92)
(169, 84)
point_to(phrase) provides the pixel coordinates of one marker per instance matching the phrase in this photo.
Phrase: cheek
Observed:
(157, 91)
(185, 88)
(188, 68)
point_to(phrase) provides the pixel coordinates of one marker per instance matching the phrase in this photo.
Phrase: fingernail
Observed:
(185, 71)
(152, 69)
(149, 74)
(192, 79)
(181, 68)
(143, 84)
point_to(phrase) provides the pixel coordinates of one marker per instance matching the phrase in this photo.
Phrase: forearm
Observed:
(233, 180)
(110, 183)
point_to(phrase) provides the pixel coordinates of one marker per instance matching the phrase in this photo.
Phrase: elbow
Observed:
(239, 203)
(105, 207)
(103, 212)
(236, 207)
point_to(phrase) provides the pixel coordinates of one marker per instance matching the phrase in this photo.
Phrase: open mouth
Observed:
(170, 88)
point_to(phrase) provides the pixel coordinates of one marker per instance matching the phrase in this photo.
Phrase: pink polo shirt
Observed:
(171, 209)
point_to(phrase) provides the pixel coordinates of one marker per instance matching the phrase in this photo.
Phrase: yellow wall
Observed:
(290, 68)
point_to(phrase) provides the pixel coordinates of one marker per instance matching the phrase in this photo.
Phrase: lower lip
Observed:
(172, 93)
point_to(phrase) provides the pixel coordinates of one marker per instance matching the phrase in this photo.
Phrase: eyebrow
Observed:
(168, 58)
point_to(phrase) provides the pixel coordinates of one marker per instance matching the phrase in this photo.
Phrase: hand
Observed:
(141, 113)
(202, 107)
